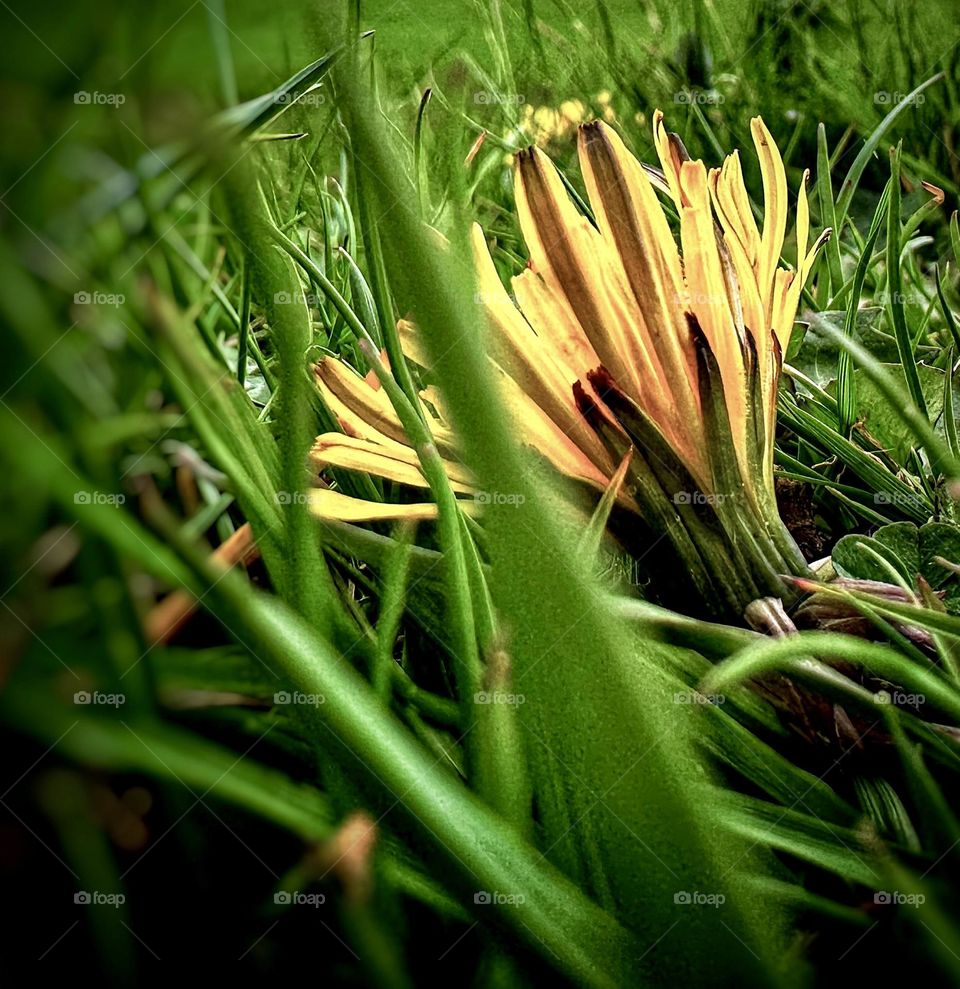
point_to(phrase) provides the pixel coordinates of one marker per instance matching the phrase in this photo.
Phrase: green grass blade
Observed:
(828, 215)
(905, 344)
(852, 179)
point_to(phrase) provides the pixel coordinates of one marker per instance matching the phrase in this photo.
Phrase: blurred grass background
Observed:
(787, 60)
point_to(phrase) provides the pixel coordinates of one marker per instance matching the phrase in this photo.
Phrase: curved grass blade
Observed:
(846, 382)
(905, 346)
(852, 179)
(790, 653)
(828, 216)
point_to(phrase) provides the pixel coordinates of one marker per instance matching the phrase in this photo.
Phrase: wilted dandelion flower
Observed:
(620, 348)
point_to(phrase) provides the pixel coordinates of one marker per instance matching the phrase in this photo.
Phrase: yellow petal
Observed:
(364, 411)
(360, 409)
(537, 362)
(774, 212)
(434, 396)
(670, 158)
(803, 220)
(792, 300)
(395, 463)
(574, 260)
(534, 361)
(770, 375)
(411, 344)
(633, 223)
(538, 431)
(748, 295)
(326, 503)
(710, 295)
(812, 255)
(554, 322)
(784, 305)
(742, 240)
(733, 207)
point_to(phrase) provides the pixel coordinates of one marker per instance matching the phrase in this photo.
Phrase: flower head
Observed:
(616, 339)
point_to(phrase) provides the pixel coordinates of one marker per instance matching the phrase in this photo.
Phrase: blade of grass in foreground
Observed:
(168, 752)
(471, 849)
(621, 811)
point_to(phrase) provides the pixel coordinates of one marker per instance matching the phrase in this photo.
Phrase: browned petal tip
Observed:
(590, 404)
(320, 367)
(586, 406)
(777, 350)
(751, 360)
(602, 380)
(677, 147)
(594, 140)
(592, 130)
(526, 157)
